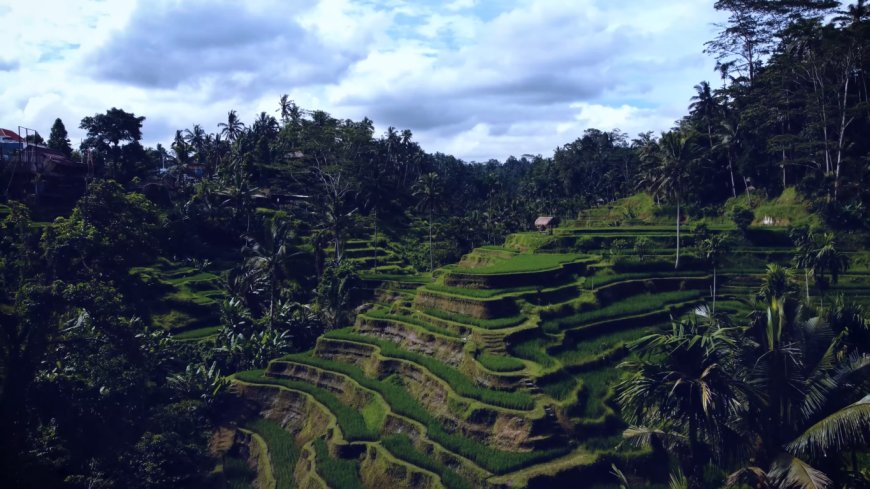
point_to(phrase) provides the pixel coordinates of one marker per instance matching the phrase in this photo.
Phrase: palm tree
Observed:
(428, 190)
(713, 249)
(804, 241)
(233, 127)
(195, 140)
(776, 284)
(289, 110)
(854, 14)
(674, 153)
(239, 194)
(335, 208)
(680, 385)
(269, 257)
(729, 138)
(808, 406)
(705, 106)
(828, 259)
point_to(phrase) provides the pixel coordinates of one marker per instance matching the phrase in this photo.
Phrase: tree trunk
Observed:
(677, 262)
(431, 256)
(714, 290)
(843, 126)
(731, 171)
(376, 239)
(807, 283)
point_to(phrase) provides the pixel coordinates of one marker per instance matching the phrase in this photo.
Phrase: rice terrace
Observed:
(312, 301)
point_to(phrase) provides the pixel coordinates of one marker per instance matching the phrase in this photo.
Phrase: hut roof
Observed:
(545, 221)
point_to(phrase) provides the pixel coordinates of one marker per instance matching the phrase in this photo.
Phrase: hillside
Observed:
(497, 371)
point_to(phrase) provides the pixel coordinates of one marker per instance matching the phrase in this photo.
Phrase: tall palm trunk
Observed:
(431, 256)
(714, 290)
(677, 262)
(731, 171)
(376, 239)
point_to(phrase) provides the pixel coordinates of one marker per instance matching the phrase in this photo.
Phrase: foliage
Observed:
(742, 218)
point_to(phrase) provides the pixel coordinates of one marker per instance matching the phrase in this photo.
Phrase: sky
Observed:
(478, 79)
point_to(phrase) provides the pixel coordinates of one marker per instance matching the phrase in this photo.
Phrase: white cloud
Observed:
(475, 79)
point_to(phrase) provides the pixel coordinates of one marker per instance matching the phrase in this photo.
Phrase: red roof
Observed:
(10, 134)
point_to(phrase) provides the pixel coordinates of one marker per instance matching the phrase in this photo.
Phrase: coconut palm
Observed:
(270, 256)
(428, 190)
(680, 390)
(729, 139)
(288, 110)
(704, 104)
(809, 406)
(233, 127)
(776, 283)
(828, 260)
(713, 249)
(674, 154)
(195, 139)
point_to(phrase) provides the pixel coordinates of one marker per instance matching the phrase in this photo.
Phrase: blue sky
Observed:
(474, 78)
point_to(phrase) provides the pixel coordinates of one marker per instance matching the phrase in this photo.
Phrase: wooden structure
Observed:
(546, 223)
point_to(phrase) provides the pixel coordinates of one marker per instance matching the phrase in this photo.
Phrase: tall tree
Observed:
(58, 139)
(233, 127)
(674, 154)
(428, 190)
(110, 129)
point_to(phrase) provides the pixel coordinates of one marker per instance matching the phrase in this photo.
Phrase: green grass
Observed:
(338, 473)
(638, 304)
(238, 474)
(283, 451)
(197, 334)
(587, 350)
(379, 313)
(460, 383)
(534, 350)
(401, 403)
(561, 387)
(601, 279)
(498, 323)
(478, 293)
(500, 363)
(351, 421)
(402, 448)
(596, 384)
(525, 262)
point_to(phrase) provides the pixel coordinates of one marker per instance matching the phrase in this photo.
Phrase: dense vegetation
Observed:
(147, 325)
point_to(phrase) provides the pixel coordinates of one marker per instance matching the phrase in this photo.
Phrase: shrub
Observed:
(642, 248)
(742, 218)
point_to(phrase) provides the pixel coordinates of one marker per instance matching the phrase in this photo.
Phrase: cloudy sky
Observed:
(478, 79)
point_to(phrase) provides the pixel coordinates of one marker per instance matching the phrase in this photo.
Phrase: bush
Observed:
(642, 248)
(742, 218)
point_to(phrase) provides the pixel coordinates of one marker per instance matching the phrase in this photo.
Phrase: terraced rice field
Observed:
(499, 372)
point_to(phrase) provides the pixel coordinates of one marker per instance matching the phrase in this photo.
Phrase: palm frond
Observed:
(792, 472)
(846, 427)
(642, 436)
(678, 480)
(753, 476)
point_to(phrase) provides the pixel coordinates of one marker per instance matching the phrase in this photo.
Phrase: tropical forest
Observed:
(295, 300)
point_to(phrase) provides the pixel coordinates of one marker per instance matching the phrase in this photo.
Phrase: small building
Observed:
(546, 223)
